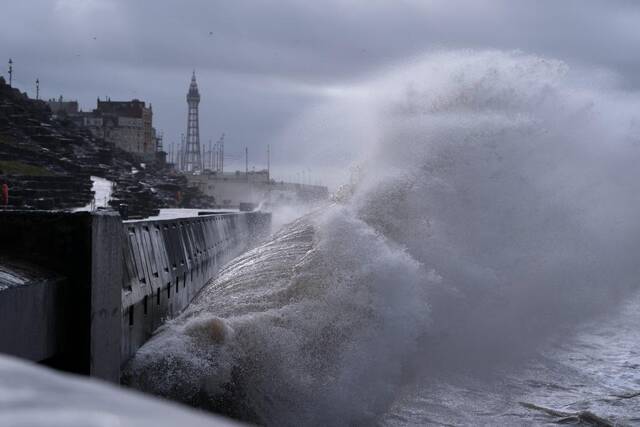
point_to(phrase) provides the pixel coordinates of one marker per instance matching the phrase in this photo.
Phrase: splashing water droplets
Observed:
(496, 206)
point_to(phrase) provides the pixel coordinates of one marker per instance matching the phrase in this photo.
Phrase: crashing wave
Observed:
(497, 207)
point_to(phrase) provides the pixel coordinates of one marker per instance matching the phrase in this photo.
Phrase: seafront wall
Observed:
(68, 276)
(83, 291)
(167, 262)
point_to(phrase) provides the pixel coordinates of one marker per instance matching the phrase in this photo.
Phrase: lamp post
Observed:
(37, 88)
(10, 71)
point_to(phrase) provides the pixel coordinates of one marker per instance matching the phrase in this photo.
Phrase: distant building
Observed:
(60, 107)
(126, 124)
(231, 189)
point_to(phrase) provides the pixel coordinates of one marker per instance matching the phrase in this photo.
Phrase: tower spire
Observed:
(193, 156)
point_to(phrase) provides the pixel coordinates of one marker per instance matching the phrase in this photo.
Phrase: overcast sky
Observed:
(261, 64)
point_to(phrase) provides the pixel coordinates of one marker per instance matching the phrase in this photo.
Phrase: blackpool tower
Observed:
(192, 160)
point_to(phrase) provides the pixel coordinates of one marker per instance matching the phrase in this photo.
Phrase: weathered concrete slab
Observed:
(63, 244)
(30, 310)
(59, 242)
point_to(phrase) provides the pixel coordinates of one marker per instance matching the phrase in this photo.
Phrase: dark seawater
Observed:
(592, 378)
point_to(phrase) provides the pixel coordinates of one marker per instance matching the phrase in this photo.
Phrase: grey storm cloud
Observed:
(262, 63)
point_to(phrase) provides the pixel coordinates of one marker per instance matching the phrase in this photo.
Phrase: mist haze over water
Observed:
(481, 268)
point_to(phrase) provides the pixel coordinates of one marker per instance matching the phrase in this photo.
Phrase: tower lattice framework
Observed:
(192, 161)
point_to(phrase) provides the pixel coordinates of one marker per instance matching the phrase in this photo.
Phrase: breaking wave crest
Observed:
(292, 329)
(497, 207)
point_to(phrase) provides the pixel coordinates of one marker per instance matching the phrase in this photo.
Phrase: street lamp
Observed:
(10, 71)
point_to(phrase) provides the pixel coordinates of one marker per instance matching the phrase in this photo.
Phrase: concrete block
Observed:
(106, 290)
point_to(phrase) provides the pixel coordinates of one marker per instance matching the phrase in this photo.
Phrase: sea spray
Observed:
(496, 207)
(516, 186)
(318, 323)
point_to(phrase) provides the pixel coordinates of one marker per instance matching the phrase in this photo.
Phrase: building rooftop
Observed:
(134, 108)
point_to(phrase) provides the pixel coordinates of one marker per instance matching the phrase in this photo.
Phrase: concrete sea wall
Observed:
(69, 276)
(83, 291)
(167, 262)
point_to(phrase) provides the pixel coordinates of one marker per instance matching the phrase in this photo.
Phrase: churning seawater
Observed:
(482, 268)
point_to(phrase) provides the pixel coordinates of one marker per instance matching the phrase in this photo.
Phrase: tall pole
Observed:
(214, 159)
(246, 162)
(222, 154)
(37, 88)
(182, 152)
(218, 160)
(10, 71)
(207, 157)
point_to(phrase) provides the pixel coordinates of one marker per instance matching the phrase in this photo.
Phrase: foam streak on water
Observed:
(496, 213)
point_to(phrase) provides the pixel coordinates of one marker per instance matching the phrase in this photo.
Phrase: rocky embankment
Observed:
(47, 164)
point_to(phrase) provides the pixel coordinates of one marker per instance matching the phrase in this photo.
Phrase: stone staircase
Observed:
(65, 156)
(48, 192)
